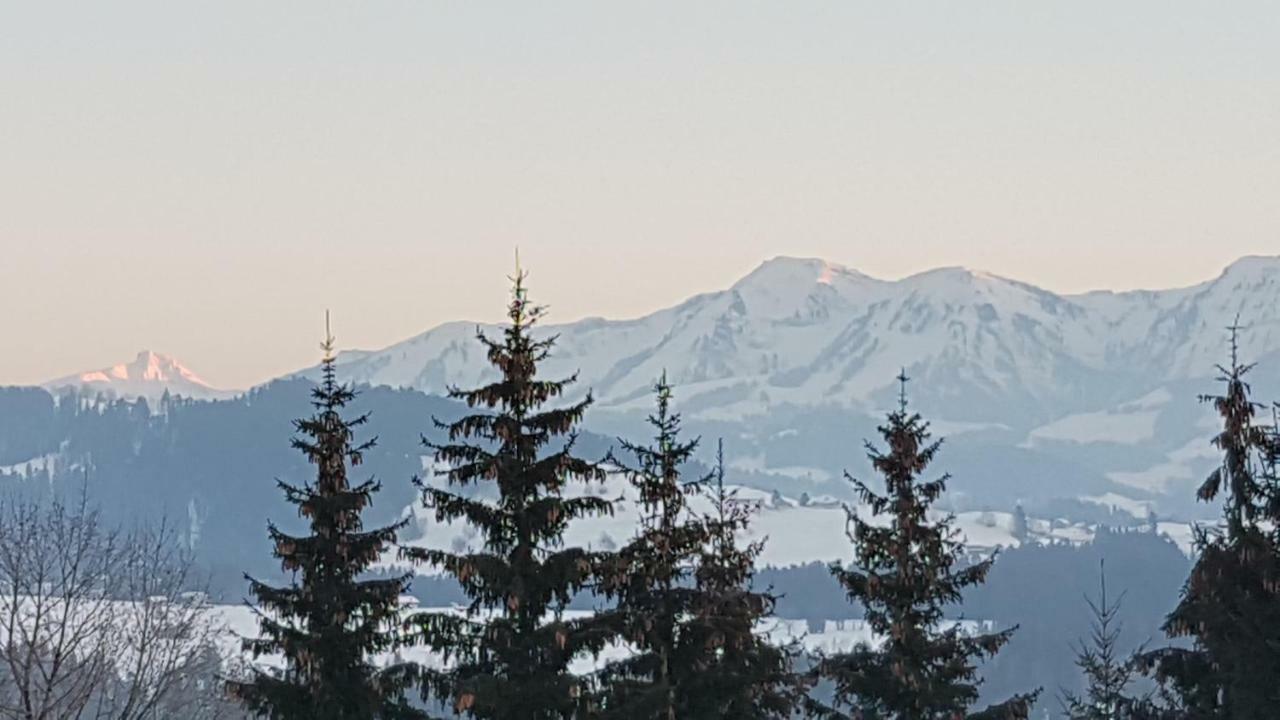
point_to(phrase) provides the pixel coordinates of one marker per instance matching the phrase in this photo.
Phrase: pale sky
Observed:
(205, 178)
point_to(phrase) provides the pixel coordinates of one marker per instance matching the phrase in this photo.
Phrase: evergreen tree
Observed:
(1230, 606)
(1107, 675)
(648, 579)
(328, 622)
(1021, 532)
(905, 575)
(511, 653)
(738, 672)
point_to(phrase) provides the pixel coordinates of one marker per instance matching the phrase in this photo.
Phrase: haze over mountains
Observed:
(1042, 396)
(803, 332)
(1089, 396)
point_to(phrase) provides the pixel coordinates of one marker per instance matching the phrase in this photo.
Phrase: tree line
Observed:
(685, 608)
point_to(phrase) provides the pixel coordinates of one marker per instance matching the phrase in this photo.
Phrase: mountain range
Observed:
(1084, 410)
(1088, 397)
(1091, 396)
(807, 333)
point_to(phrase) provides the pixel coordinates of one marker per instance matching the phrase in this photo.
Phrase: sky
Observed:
(205, 178)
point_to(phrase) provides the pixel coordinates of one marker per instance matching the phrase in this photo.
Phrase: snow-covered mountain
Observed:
(1101, 385)
(149, 376)
(805, 332)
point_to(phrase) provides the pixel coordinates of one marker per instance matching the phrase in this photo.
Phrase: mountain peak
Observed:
(149, 375)
(954, 273)
(155, 367)
(804, 333)
(1252, 266)
(799, 273)
(783, 286)
(965, 285)
(784, 268)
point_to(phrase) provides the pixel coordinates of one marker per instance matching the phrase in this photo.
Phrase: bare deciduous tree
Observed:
(101, 623)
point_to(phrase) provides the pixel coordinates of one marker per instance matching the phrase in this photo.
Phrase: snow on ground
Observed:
(801, 472)
(840, 636)
(952, 428)
(1132, 423)
(1180, 533)
(174, 626)
(793, 534)
(837, 636)
(1115, 501)
(1198, 449)
(986, 530)
(1077, 534)
(799, 535)
(1154, 399)
(1179, 467)
(1156, 478)
(238, 622)
(30, 467)
(1129, 428)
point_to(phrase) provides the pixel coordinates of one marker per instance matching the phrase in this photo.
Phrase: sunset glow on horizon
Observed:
(206, 179)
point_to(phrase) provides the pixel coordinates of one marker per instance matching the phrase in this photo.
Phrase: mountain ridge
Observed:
(848, 333)
(150, 375)
(1090, 396)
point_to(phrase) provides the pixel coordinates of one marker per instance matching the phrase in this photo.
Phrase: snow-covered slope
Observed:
(1084, 394)
(150, 375)
(234, 623)
(793, 532)
(805, 332)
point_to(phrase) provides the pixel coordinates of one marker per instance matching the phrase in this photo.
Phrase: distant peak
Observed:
(787, 269)
(149, 374)
(1250, 264)
(155, 367)
(944, 271)
(952, 274)
(794, 271)
(788, 262)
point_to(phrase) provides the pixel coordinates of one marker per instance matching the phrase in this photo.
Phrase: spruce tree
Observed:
(1230, 605)
(738, 671)
(329, 622)
(510, 655)
(1021, 532)
(649, 578)
(1106, 673)
(906, 574)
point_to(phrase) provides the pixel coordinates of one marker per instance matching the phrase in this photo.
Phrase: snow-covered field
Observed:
(27, 468)
(793, 534)
(237, 622)
(1178, 467)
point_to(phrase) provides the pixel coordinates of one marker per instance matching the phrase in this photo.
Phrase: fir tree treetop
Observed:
(513, 649)
(906, 573)
(329, 622)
